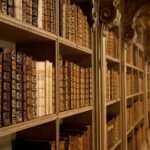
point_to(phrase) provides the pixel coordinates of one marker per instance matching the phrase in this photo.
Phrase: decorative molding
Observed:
(128, 33)
(109, 13)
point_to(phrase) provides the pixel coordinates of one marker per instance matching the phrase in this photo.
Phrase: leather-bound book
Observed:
(19, 92)
(13, 86)
(6, 87)
(35, 12)
(1, 88)
(10, 8)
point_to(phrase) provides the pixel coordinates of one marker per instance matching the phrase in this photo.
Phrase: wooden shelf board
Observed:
(133, 95)
(135, 124)
(134, 67)
(18, 31)
(110, 58)
(71, 47)
(112, 102)
(27, 124)
(115, 146)
(130, 129)
(74, 112)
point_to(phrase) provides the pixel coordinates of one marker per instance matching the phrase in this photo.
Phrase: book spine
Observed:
(50, 89)
(18, 9)
(53, 90)
(24, 87)
(35, 12)
(4, 6)
(24, 10)
(19, 89)
(34, 98)
(10, 8)
(29, 88)
(40, 13)
(13, 86)
(41, 89)
(6, 86)
(1, 60)
(47, 86)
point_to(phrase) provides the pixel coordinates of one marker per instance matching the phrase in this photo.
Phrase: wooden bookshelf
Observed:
(44, 45)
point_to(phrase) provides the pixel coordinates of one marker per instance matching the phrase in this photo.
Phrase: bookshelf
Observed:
(61, 43)
(111, 90)
(135, 96)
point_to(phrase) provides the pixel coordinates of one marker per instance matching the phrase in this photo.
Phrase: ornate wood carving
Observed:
(128, 33)
(107, 12)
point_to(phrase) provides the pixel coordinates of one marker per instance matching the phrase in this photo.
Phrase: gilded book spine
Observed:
(35, 12)
(34, 99)
(10, 8)
(19, 92)
(6, 86)
(29, 88)
(4, 6)
(24, 88)
(13, 86)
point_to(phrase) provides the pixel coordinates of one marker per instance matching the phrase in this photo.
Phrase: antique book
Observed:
(41, 88)
(18, 9)
(6, 87)
(53, 89)
(19, 87)
(4, 6)
(24, 88)
(29, 87)
(40, 13)
(34, 98)
(24, 10)
(10, 8)
(13, 86)
(35, 12)
(47, 86)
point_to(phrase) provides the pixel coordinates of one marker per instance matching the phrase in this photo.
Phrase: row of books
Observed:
(113, 131)
(112, 83)
(79, 137)
(25, 87)
(128, 50)
(141, 82)
(34, 144)
(112, 44)
(74, 25)
(133, 83)
(136, 109)
(71, 138)
(75, 85)
(135, 56)
(41, 13)
(129, 116)
(130, 143)
(141, 60)
(135, 79)
(139, 138)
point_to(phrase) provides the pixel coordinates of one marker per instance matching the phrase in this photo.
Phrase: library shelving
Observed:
(135, 96)
(111, 91)
(63, 57)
